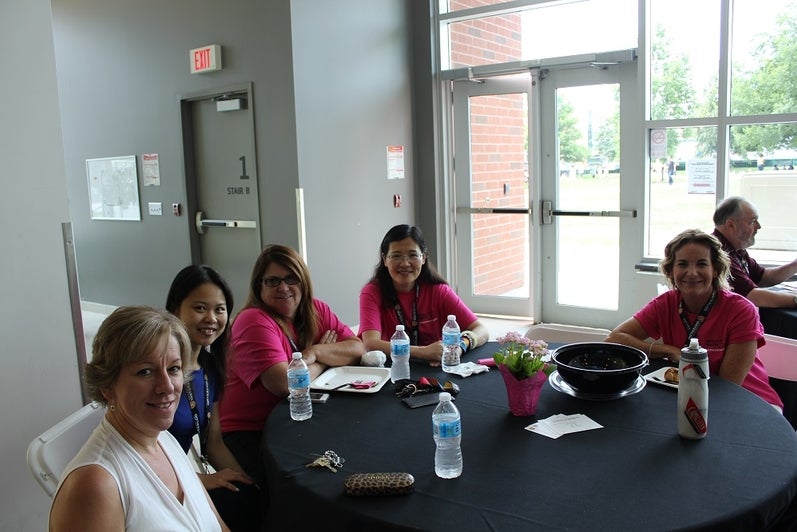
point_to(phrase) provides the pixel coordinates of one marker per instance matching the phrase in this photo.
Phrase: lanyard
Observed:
(742, 261)
(692, 328)
(189, 393)
(294, 348)
(413, 329)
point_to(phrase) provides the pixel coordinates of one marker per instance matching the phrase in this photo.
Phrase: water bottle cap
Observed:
(444, 396)
(399, 327)
(694, 345)
(452, 317)
(296, 356)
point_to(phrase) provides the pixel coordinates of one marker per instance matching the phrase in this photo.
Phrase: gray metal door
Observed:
(222, 184)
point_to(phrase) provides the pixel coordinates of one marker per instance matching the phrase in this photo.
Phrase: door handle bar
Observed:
(548, 212)
(202, 223)
(489, 210)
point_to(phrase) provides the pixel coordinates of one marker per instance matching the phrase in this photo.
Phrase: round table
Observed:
(635, 473)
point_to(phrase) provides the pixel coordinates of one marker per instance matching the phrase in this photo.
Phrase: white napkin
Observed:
(560, 424)
(466, 369)
(374, 359)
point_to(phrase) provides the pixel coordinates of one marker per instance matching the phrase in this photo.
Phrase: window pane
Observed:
(589, 26)
(684, 58)
(680, 203)
(485, 41)
(587, 125)
(766, 177)
(764, 57)
(499, 179)
(448, 6)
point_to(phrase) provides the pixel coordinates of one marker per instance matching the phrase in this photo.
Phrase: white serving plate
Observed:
(657, 377)
(334, 377)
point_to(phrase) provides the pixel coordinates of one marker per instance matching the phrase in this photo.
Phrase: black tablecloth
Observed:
(634, 474)
(779, 321)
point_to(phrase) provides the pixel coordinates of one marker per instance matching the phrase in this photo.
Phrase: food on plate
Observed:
(671, 375)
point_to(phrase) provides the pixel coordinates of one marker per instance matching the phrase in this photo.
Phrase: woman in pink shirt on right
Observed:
(701, 306)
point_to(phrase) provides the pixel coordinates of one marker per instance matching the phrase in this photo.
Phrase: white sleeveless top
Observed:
(147, 502)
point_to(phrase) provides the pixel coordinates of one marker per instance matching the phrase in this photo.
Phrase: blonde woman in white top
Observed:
(132, 474)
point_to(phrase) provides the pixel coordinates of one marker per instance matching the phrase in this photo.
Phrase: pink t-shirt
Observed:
(435, 303)
(733, 319)
(257, 343)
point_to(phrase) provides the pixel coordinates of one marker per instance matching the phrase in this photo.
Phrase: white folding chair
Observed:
(49, 453)
(566, 334)
(779, 356)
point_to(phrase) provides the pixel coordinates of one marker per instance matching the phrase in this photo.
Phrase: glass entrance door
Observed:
(494, 244)
(541, 204)
(588, 203)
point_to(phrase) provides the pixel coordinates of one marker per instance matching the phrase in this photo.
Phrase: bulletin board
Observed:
(113, 188)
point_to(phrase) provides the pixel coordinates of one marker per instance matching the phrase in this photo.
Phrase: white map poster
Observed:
(113, 188)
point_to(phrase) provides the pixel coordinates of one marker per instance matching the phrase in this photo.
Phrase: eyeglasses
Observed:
(751, 221)
(400, 257)
(274, 282)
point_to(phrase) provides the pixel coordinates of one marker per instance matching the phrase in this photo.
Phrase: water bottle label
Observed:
(299, 380)
(451, 338)
(695, 369)
(450, 429)
(695, 417)
(400, 349)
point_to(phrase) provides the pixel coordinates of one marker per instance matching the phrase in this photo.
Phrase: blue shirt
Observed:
(183, 425)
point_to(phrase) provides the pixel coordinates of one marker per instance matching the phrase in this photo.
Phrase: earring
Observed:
(113, 408)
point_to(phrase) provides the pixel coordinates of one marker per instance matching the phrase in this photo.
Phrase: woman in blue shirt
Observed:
(203, 301)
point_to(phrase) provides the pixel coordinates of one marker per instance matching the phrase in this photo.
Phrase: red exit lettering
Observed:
(202, 59)
(205, 59)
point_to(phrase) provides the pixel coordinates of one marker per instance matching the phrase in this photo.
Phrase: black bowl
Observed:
(599, 367)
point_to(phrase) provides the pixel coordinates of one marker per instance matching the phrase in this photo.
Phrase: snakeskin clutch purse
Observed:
(371, 484)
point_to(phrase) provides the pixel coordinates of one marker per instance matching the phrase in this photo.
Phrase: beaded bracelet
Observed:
(467, 341)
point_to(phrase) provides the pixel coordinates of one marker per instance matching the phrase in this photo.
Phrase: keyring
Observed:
(330, 460)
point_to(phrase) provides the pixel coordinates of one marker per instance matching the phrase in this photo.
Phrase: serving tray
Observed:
(657, 377)
(558, 384)
(332, 378)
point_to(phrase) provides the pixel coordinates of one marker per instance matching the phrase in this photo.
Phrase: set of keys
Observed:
(329, 459)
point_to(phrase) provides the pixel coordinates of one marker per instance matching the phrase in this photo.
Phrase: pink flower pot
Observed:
(523, 394)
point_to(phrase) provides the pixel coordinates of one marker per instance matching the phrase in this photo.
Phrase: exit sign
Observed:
(205, 59)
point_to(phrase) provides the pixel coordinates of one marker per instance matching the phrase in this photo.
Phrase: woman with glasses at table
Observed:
(406, 289)
(701, 306)
(280, 317)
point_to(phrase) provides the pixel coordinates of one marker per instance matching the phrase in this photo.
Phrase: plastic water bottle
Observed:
(693, 391)
(447, 430)
(399, 355)
(451, 349)
(299, 389)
